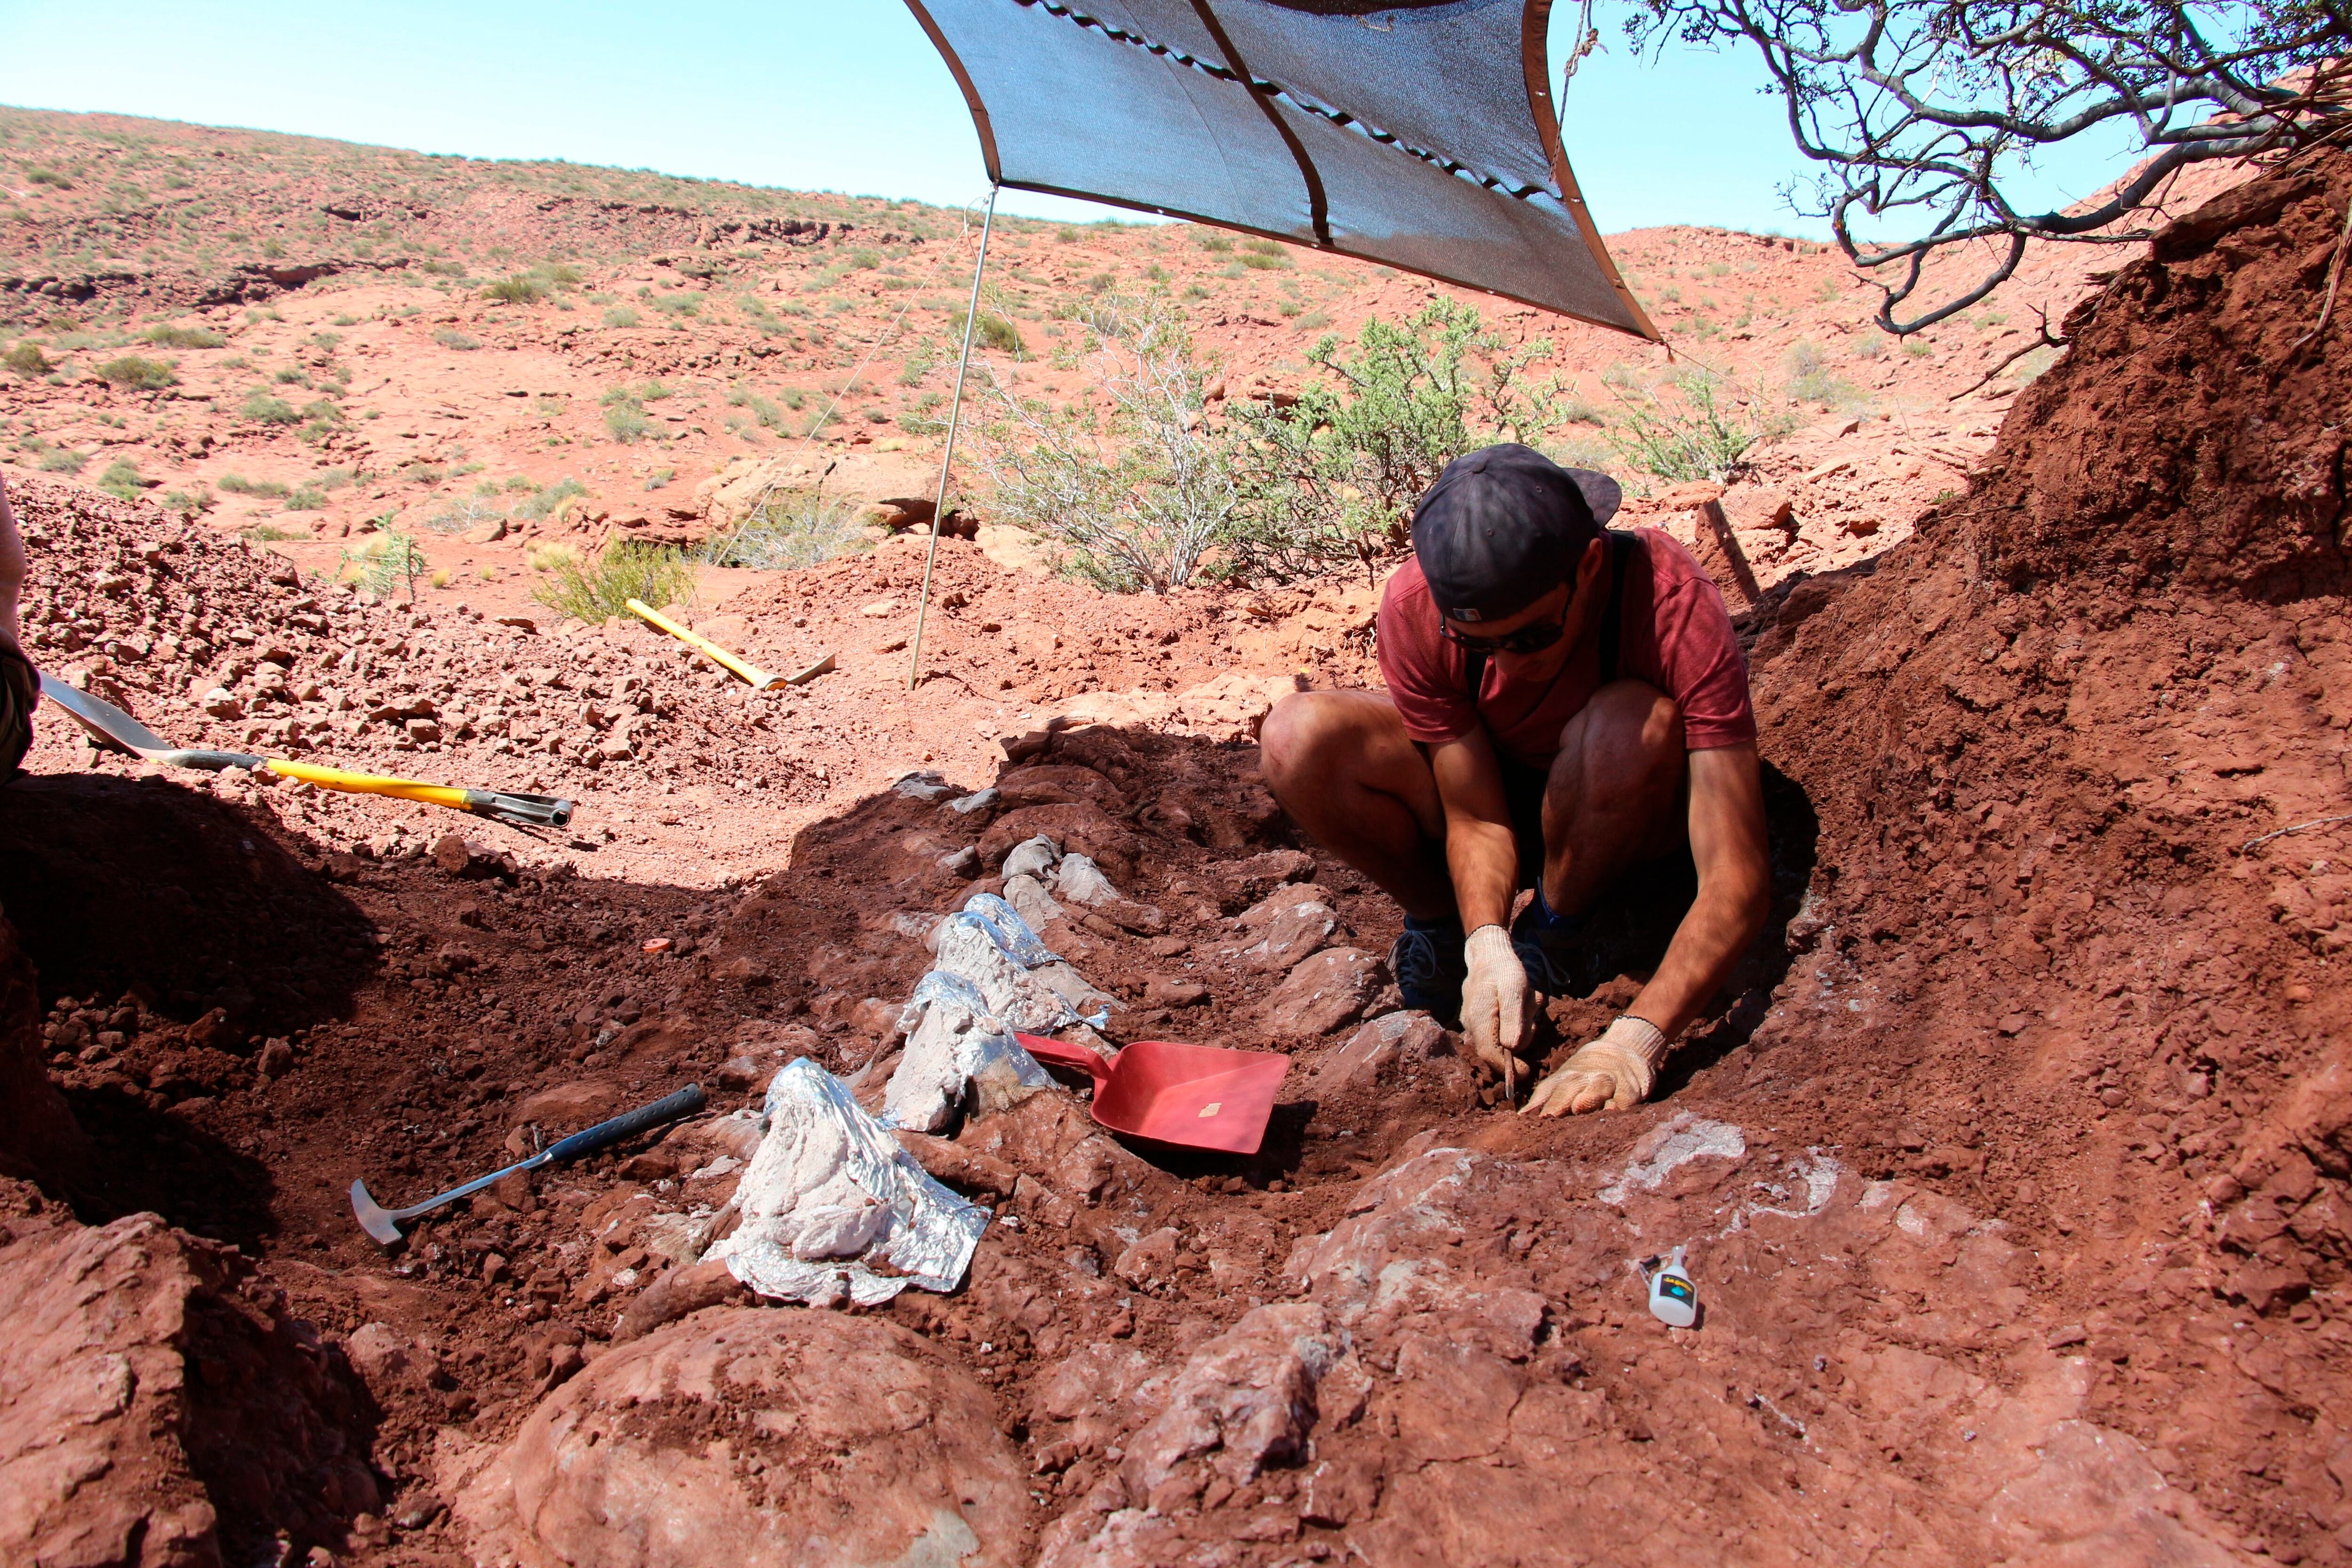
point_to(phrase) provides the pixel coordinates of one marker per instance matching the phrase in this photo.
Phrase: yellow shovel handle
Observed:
(369, 783)
(758, 678)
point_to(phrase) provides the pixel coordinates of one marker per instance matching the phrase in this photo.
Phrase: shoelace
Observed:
(1414, 960)
(1547, 975)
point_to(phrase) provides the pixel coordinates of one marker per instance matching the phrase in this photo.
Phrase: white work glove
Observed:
(1496, 1016)
(1615, 1071)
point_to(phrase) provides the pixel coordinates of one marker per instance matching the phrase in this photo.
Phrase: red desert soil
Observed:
(2012, 1173)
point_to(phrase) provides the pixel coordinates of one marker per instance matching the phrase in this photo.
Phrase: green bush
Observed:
(121, 478)
(994, 332)
(175, 337)
(1700, 431)
(622, 316)
(765, 411)
(1216, 243)
(309, 497)
(50, 177)
(1811, 380)
(460, 517)
(519, 290)
(26, 359)
(542, 506)
(1135, 499)
(388, 563)
(139, 374)
(627, 570)
(797, 528)
(238, 485)
(292, 375)
(451, 338)
(678, 304)
(627, 422)
(1330, 481)
(261, 406)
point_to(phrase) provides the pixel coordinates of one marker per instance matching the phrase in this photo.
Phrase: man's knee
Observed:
(1306, 732)
(1628, 739)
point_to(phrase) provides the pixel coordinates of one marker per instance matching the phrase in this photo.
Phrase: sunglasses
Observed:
(1526, 639)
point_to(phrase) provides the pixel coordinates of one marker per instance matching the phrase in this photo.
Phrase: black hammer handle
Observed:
(685, 1103)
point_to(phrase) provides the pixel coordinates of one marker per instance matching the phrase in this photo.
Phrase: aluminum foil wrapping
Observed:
(960, 1058)
(830, 1194)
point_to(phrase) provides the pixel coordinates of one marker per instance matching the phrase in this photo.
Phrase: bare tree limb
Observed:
(1925, 115)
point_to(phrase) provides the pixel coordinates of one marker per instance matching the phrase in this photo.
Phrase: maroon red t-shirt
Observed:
(1676, 635)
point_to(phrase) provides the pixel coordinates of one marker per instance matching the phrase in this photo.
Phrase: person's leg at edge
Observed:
(1343, 767)
(1615, 798)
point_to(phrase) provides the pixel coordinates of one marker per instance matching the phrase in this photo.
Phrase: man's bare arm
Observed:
(1480, 851)
(1734, 886)
(13, 570)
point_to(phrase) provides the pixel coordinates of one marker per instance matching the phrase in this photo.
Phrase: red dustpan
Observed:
(1200, 1097)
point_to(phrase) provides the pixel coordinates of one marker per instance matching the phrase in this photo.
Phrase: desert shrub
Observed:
(789, 529)
(291, 375)
(659, 478)
(267, 532)
(994, 332)
(50, 177)
(121, 478)
(63, 460)
(1217, 243)
(627, 422)
(261, 406)
(627, 570)
(763, 409)
(622, 316)
(1132, 500)
(451, 338)
(423, 473)
(458, 517)
(389, 563)
(177, 337)
(542, 506)
(519, 290)
(26, 359)
(1329, 481)
(311, 496)
(1697, 427)
(678, 304)
(547, 557)
(921, 418)
(139, 374)
(1811, 380)
(238, 485)
(199, 499)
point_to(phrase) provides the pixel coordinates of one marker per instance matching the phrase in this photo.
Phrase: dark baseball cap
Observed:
(1505, 525)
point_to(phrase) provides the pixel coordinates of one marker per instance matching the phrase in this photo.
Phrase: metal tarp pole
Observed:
(946, 456)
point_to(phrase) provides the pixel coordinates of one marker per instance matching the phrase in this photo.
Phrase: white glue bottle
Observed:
(1673, 1300)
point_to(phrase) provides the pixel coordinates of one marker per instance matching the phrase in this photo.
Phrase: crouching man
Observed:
(1565, 704)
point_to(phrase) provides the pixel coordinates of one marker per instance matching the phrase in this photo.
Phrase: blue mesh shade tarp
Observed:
(1421, 135)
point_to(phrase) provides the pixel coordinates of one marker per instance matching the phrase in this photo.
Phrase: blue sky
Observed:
(843, 95)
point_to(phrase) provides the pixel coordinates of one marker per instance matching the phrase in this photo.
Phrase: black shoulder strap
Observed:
(1612, 617)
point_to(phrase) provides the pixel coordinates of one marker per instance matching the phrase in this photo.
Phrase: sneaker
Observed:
(1550, 947)
(1429, 968)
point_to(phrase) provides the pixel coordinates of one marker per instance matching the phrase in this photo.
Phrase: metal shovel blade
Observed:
(1197, 1097)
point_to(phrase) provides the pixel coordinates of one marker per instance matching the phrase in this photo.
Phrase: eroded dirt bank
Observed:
(2012, 1177)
